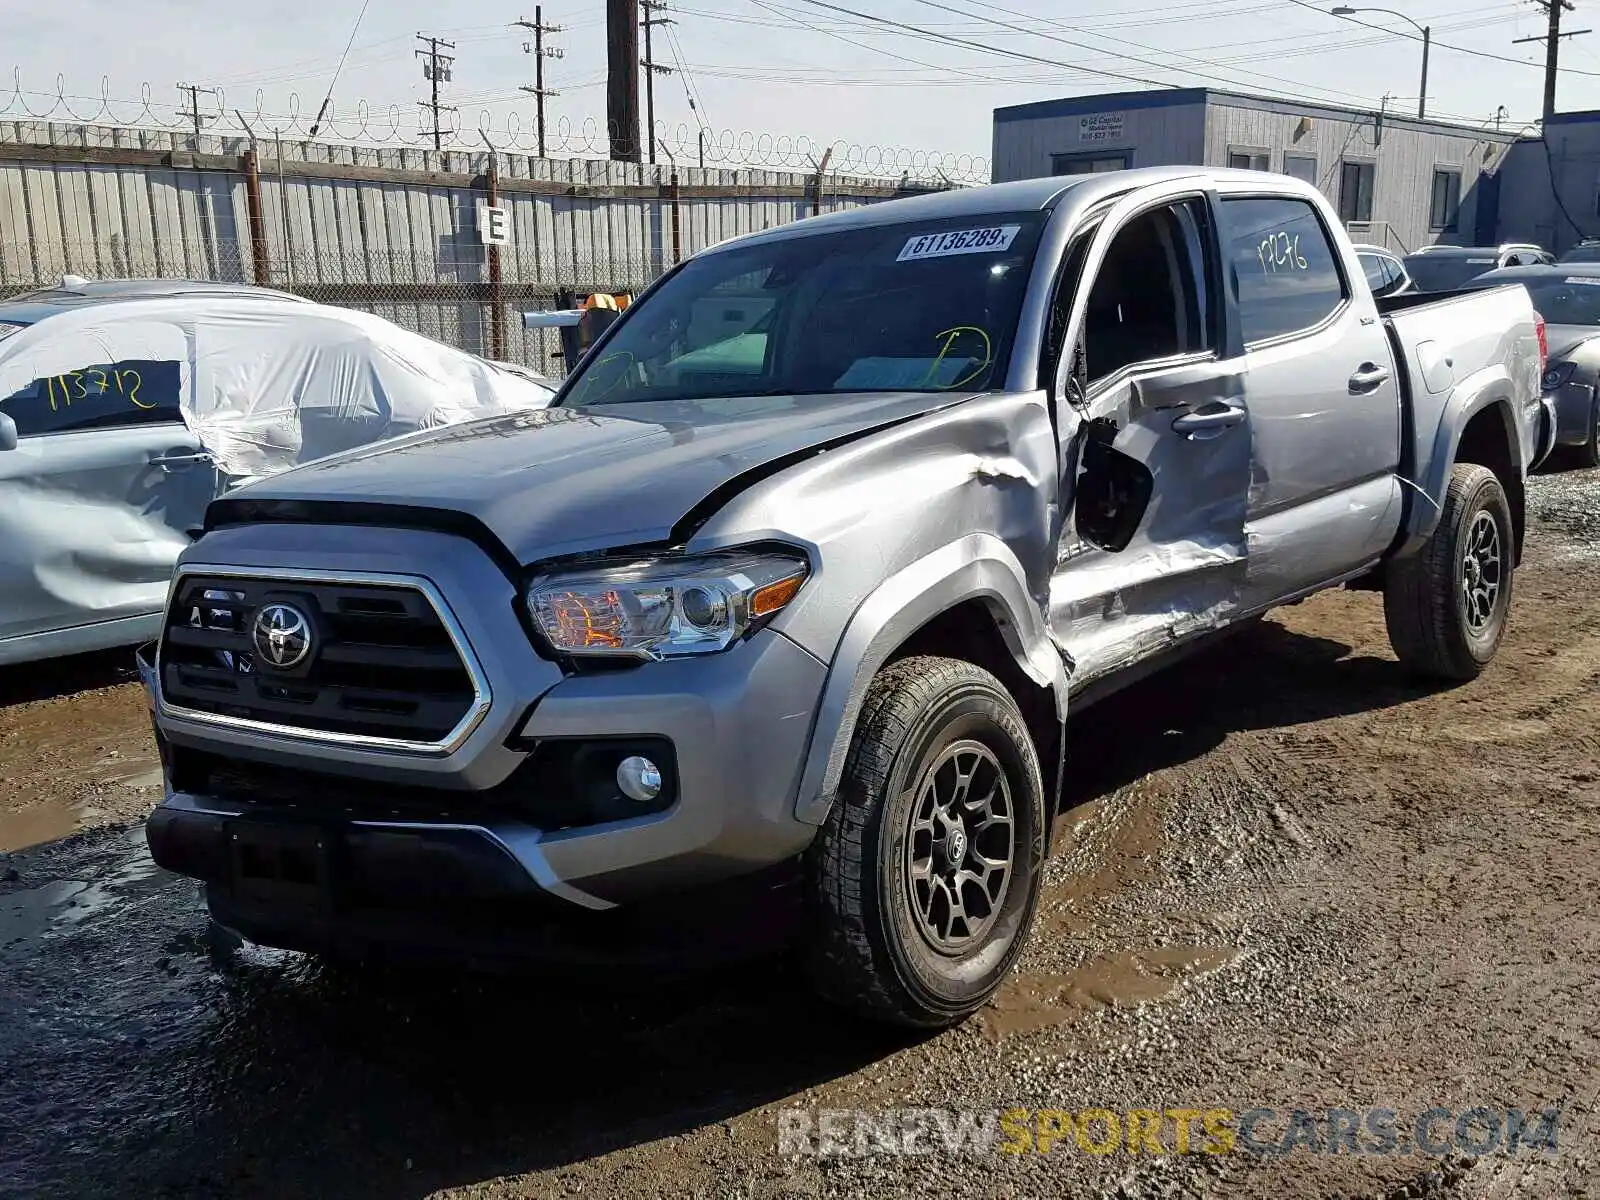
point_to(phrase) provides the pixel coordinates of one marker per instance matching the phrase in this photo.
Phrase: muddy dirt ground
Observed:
(1290, 878)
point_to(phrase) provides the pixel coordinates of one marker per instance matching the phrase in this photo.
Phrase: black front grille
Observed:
(381, 662)
(561, 784)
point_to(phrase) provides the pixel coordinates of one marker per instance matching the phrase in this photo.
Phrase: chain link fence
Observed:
(449, 297)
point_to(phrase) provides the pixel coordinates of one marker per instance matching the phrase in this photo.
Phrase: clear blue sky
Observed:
(790, 67)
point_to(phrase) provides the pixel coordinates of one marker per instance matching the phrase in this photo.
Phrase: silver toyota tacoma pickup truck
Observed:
(800, 575)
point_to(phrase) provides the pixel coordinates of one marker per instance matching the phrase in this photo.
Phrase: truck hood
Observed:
(564, 480)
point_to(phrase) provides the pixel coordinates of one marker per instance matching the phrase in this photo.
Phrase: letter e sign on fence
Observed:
(494, 225)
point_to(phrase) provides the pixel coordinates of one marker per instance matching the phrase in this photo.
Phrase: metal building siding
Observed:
(1550, 190)
(1404, 161)
(1025, 148)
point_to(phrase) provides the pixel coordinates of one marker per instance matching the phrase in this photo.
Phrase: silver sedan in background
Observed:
(127, 406)
(1567, 295)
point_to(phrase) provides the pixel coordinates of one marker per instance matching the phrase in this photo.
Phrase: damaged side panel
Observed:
(903, 526)
(873, 508)
(1155, 549)
(90, 526)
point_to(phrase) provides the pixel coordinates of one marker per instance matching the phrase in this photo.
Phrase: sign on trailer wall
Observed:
(1098, 128)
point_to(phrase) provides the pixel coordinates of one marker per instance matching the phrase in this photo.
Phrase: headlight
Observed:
(1557, 375)
(664, 607)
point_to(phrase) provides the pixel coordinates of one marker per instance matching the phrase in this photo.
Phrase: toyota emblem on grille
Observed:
(282, 635)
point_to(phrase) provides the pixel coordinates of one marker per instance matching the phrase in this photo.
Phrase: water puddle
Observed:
(1032, 1002)
(27, 914)
(105, 786)
(54, 907)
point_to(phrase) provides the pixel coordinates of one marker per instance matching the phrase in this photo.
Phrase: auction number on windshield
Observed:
(1280, 252)
(63, 390)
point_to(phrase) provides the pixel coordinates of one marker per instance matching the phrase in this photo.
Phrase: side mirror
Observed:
(8, 433)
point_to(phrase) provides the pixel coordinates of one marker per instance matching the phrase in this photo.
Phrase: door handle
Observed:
(1367, 377)
(1209, 419)
(172, 462)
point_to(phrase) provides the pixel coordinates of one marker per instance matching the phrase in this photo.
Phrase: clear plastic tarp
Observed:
(267, 384)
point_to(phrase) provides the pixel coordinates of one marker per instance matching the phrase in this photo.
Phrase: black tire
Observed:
(866, 895)
(1435, 628)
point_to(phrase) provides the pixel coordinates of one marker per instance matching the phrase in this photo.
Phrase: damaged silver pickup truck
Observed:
(799, 577)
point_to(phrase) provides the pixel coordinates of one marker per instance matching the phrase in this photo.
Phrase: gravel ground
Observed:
(1289, 879)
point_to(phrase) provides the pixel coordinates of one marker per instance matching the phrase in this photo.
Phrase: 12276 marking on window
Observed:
(994, 240)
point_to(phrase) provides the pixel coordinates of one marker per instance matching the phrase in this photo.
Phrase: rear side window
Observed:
(97, 396)
(1373, 266)
(1281, 265)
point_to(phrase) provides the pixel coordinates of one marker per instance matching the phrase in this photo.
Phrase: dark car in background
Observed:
(1567, 295)
(1385, 271)
(1586, 251)
(1447, 268)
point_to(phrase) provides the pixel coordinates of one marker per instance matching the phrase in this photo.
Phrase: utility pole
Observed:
(193, 111)
(1552, 48)
(540, 52)
(651, 67)
(622, 78)
(436, 70)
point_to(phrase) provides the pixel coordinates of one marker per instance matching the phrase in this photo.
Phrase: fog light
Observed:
(639, 778)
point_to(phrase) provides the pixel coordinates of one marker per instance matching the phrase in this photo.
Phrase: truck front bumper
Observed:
(296, 841)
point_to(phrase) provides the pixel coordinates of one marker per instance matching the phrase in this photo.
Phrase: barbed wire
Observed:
(398, 126)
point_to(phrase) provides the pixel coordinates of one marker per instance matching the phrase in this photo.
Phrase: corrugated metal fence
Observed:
(395, 232)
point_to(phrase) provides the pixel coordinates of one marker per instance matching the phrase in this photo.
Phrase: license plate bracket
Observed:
(282, 865)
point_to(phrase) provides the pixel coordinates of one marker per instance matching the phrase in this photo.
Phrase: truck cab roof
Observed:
(1022, 195)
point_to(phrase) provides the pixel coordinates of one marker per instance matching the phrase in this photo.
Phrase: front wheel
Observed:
(1446, 605)
(922, 885)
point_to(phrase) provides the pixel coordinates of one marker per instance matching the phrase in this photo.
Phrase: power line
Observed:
(540, 52)
(691, 89)
(986, 49)
(1552, 48)
(328, 99)
(1009, 53)
(436, 70)
(1203, 62)
(804, 24)
(1417, 37)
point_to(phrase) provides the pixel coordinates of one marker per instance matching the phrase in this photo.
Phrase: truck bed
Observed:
(1413, 300)
(1444, 340)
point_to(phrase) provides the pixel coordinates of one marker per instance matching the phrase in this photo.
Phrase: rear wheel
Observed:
(922, 886)
(1446, 606)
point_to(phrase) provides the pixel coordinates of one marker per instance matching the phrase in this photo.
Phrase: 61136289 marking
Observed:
(995, 239)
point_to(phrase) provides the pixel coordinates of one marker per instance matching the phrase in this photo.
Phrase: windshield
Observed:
(1583, 254)
(924, 306)
(1562, 300)
(7, 328)
(1446, 273)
